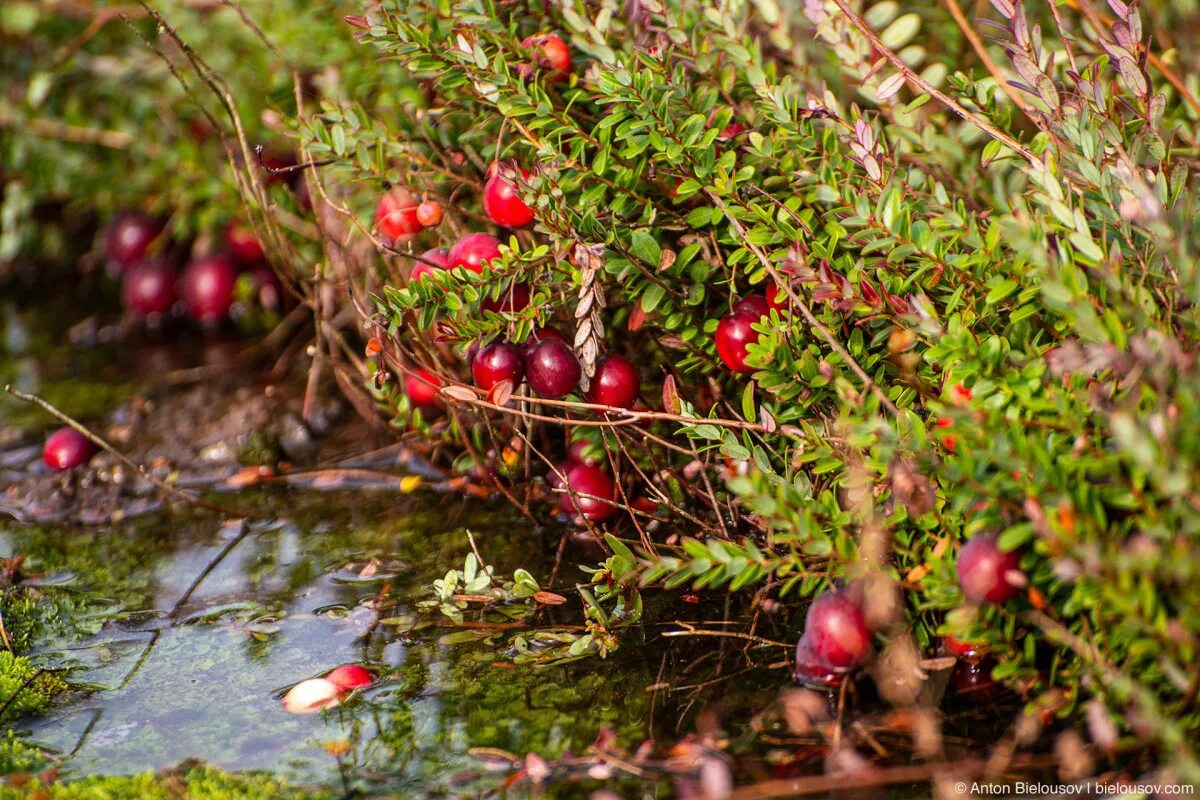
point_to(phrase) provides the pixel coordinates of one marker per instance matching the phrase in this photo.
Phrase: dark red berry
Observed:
(243, 245)
(502, 202)
(837, 632)
(542, 333)
(732, 337)
(753, 304)
(474, 250)
(66, 449)
(440, 258)
(207, 288)
(986, 573)
(499, 361)
(129, 239)
(594, 482)
(422, 386)
(813, 671)
(578, 453)
(396, 215)
(962, 649)
(552, 54)
(973, 683)
(615, 383)
(509, 302)
(552, 369)
(148, 289)
(429, 213)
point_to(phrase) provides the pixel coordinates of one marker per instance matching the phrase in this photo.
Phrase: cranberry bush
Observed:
(892, 309)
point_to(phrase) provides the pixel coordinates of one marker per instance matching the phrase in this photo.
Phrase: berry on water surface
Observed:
(349, 677)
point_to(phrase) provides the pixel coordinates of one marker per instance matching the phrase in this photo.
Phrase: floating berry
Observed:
(349, 677)
(310, 696)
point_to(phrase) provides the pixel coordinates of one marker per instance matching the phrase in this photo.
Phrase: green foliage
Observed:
(26, 688)
(194, 783)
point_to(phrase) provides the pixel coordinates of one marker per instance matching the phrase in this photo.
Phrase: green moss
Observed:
(17, 756)
(194, 783)
(35, 697)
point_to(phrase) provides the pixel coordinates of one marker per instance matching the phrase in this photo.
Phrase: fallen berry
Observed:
(66, 449)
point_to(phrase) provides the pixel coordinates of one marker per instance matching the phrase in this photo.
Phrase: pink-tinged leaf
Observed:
(889, 87)
(869, 295)
(1119, 8)
(768, 421)
(459, 392)
(1005, 8)
(670, 396)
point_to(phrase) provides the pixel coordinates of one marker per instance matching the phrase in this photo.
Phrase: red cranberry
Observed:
(577, 453)
(542, 333)
(349, 677)
(962, 649)
(129, 238)
(585, 479)
(552, 368)
(67, 449)
(440, 258)
(812, 670)
(499, 361)
(733, 335)
(755, 305)
(554, 55)
(615, 383)
(422, 386)
(509, 302)
(207, 288)
(986, 573)
(429, 213)
(148, 289)
(474, 250)
(502, 202)
(396, 215)
(837, 631)
(973, 683)
(243, 245)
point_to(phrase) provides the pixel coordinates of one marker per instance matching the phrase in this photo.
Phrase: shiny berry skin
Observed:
(552, 369)
(129, 238)
(554, 55)
(243, 245)
(422, 386)
(585, 479)
(349, 677)
(207, 288)
(733, 335)
(148, 289)
(811, 670)
(984, 570)
(962, 649)
(615, 383)
(510, 302)
(542, 333)
(429, 213)
(310, 696)
(578, 453)
(499, 361)
(755, 305)
(502, 202)
(440, 258)
(396, 215)
(474, 250)
(837, 632)
(67, 449)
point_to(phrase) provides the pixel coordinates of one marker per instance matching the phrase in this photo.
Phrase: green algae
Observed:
(191, 783)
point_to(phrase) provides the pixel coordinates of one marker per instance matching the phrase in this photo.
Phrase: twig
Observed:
(195, 584)
(174, 491)
(977, 45)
